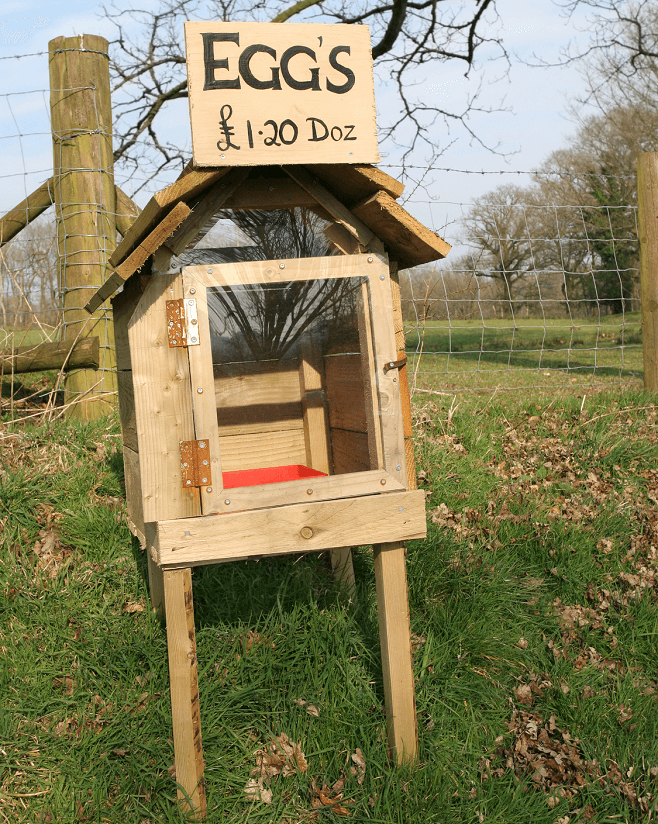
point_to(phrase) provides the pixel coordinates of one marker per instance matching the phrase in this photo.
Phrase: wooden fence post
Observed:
(647, 196)
(85, 205)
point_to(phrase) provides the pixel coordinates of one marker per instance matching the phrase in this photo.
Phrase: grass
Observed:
(542, 352)
(533, 603)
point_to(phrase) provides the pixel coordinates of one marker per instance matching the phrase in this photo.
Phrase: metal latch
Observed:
(398, 364)
(195, 463)
(182, 322)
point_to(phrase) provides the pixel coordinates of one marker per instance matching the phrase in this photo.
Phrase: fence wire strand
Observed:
(532, 296)
(535, 294)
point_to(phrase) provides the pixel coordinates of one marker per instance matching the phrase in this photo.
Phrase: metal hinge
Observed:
(195, 463)
(182, 322)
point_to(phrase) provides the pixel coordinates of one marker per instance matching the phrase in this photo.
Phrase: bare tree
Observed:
(497, 229)
(28, 276)
(409, 37)
(620, 62)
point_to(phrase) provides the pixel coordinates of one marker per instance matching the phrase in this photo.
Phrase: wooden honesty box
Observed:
(264, 399)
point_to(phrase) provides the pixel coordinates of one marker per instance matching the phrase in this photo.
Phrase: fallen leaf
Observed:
(359, 768)
(131, 607)
(524, 694)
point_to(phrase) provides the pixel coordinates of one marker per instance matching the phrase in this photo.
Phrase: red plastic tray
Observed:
(270, 475)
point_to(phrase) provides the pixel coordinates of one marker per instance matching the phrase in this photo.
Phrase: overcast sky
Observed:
(533, 125)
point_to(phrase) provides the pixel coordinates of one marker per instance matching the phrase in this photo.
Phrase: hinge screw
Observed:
(204, 480)
(205, 463)
(190, 303)
(209, 489)
(202, 444)
(193, 340)
(188, 483)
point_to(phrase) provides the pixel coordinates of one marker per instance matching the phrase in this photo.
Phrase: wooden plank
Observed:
(163, 403)
(184, 680)
(336, 209)
(255, 384)
(329, 488)
(298, 108)
(280, 422)
(407, 240)
(647, 191)
(388, 386)
(189, 186)
(156, 578)
(23, 214)
(123, 306)
(140, 255)
(395, 639)
(127, 211)
(369, 371)
(281, 530)
(345, 392)
(343, 569)
(40, 357)
(316, 421)
(354, 183)
(203, 402)
(349, 451)
(262, 449)
(213, 200)
(405, 397)
(127, 409)
(345, 241)
(133, 484)
(270, 193)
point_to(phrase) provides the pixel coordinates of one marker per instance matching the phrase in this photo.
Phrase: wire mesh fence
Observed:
(540, 291)
(534, 295)
(49, 264)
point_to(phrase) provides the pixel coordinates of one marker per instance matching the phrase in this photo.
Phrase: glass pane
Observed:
(233, 235)
(289, 379)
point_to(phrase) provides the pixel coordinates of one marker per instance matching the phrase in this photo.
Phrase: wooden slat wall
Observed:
(259, 415)
(347, 413)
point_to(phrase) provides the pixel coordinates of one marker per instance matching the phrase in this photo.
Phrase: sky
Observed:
(533, 124)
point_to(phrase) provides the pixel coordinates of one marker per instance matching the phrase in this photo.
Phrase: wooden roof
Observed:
(360, 197)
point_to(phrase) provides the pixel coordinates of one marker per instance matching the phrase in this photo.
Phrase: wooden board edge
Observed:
(379, 212)
(180, 542)
(189, 185)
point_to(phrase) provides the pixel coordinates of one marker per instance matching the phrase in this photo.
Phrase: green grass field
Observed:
(545, 353)
(534, 608)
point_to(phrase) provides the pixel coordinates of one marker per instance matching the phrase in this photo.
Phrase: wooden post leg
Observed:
(183, 679)
(395, 638)
(343, 568)
(156, 585)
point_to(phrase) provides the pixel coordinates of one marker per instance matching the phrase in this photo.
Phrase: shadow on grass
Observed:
(531, 361)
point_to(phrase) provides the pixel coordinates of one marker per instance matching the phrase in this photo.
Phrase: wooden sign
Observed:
(271, 93)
